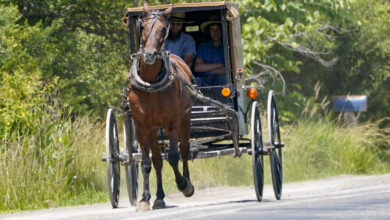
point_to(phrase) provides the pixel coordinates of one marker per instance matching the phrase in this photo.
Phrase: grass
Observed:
(67, 170)
(322, 148)
(63, 172)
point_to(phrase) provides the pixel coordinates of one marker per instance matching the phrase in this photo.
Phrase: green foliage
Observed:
(16, 116)
(341, 44)
(364, 65)
(90, 67)
(23, 93)
(274, 29)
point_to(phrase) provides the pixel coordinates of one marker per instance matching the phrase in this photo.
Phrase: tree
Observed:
(83, 44)
(341, 44)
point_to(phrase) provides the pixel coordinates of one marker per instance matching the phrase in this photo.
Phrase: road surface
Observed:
(342, 197)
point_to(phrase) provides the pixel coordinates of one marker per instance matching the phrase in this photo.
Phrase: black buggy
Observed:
(220, 114)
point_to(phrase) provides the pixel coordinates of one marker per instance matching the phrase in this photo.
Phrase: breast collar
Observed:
(164, 79)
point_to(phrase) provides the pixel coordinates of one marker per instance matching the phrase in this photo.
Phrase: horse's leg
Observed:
(158, 164)
(185, 133)
(146, 166)
(173, 156)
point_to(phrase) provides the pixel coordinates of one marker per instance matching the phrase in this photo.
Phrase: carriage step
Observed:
(205, 112)
(204, 108)
(209, 120)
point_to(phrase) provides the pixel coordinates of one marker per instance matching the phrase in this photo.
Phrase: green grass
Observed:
(69, 171)
(321, 148)
(63, 172)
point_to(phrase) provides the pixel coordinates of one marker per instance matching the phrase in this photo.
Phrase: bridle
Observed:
(153, 16)
(165, 78)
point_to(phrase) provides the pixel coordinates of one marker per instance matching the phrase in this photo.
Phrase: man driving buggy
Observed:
(178, 42)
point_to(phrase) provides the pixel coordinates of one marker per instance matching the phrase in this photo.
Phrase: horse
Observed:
(158, 99)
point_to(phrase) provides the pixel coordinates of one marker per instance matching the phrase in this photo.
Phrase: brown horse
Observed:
(159, 99)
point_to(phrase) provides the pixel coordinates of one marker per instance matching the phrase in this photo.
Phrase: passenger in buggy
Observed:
(178, 42)
(210, 62)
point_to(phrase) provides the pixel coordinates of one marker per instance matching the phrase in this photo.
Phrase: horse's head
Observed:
(153, 29)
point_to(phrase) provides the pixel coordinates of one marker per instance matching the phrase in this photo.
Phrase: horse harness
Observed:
(164, 79)
(166, 76)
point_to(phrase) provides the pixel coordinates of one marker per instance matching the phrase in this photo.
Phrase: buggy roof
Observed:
(183, 7)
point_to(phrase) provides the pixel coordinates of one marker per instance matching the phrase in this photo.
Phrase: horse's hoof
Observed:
(189, 190)
(143, 206)
(159, 204)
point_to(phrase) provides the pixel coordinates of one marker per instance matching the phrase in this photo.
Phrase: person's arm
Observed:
(200, 66)
(189, 49)
(220, 70)
(189, 59)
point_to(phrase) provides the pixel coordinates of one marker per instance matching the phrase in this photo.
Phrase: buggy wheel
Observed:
(257, 151)
(112, 158)
(131, 167)
(276, 151)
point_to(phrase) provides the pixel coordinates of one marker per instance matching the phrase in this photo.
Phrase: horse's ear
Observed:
(168, 11)
(146, 7)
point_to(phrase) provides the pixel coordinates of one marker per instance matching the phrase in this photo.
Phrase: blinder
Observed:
(139, 27)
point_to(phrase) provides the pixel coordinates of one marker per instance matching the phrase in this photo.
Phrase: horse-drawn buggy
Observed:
(166, 115)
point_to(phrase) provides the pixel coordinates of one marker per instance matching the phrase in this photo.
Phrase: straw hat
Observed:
(179, 17)
(213, 19)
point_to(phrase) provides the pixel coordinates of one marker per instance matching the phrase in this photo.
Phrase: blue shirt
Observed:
(182, 46)
(211, 54)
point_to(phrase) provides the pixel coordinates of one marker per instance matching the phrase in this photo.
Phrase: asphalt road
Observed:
(342, 197)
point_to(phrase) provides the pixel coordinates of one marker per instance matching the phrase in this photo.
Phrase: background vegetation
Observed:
(62, 63)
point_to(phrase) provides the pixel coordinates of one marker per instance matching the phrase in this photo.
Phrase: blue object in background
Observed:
(353, 103)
